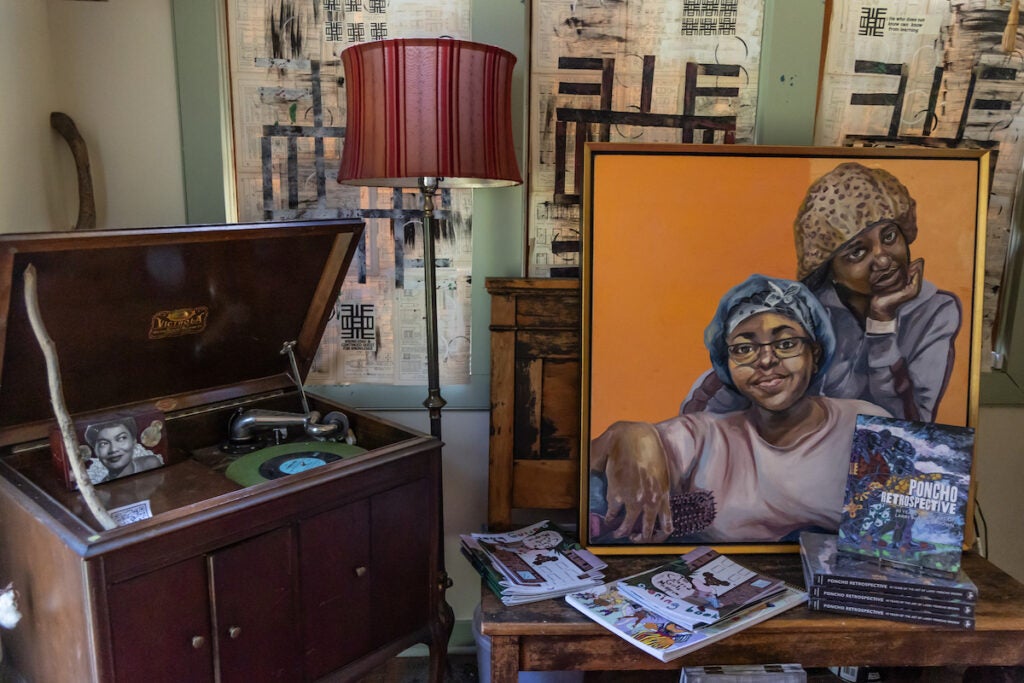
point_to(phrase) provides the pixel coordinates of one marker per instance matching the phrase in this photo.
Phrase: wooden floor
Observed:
(463, 669)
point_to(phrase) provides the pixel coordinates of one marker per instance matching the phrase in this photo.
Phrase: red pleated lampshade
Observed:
(428, 108)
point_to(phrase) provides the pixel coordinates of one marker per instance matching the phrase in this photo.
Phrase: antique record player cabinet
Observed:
(305, 573)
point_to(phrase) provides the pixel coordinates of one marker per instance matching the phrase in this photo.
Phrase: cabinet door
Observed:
(366, 574)
(254, 616)
(160, 625)
(334, 572)
(535, 396)
(402, 533)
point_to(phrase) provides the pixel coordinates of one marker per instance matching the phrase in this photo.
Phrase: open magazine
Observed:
(536, 562)
(699, 588)
(663, 638)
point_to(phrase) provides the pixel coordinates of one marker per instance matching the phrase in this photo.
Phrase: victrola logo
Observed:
(179, 322)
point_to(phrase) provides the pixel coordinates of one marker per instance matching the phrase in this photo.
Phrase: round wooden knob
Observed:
(234, 632)
(198, 642)
(361, 571)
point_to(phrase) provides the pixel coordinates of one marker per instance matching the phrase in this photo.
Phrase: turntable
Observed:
(276, 450)
(263, 490)
(284, 459)
(262, 446)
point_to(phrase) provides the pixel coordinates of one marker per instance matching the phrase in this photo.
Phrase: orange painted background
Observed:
(672, 233)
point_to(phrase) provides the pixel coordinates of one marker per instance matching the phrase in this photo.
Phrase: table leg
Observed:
(504, 659)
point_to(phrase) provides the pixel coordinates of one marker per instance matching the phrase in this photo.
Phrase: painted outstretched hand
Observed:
(636, 469)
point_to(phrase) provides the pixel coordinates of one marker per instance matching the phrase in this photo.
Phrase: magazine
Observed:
(534, 563)
(825, 566)
(906, 493)
(662, 638)
(699, 588)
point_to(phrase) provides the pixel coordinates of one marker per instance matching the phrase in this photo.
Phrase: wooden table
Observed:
(552, 636)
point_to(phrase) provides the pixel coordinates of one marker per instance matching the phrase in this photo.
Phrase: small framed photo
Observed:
(114, 445)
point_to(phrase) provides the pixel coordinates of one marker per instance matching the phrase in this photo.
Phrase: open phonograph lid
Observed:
(174, 317)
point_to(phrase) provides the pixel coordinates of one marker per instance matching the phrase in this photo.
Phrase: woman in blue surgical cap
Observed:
(763, 473)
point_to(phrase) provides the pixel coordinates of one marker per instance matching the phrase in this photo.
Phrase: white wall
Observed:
(110, 67)
(114, 63)
(999, 453)
(465, 434)
(28, 200)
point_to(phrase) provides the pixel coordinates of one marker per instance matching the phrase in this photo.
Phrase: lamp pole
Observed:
(434, 402)
(428, 113)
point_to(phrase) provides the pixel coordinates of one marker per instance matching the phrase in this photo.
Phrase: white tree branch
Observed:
(67, 428)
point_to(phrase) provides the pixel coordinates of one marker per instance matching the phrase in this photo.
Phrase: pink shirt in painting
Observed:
(762, 492)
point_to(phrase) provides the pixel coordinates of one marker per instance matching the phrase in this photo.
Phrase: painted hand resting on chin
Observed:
(884, 307)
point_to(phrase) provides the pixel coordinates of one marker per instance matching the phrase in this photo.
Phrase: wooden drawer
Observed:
(535, 397)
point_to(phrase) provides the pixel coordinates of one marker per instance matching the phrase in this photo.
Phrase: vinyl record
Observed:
(289, 458)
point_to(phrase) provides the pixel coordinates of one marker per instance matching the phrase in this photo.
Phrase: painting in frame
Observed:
(741, 306)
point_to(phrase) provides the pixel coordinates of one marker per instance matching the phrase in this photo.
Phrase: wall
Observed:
(111, 67)
(27, 147)
(465, 435)
(1000, 475)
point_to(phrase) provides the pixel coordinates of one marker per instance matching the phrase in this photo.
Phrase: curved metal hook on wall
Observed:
(63, 124)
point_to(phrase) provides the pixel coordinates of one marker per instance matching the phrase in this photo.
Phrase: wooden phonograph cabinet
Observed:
(318, 568)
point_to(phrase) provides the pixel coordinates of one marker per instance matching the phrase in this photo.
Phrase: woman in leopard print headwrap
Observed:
(895, 330)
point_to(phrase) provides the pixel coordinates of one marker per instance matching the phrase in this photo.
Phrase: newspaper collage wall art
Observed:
(936, 74)
(931, 73)
(288, 101)
(653, 71)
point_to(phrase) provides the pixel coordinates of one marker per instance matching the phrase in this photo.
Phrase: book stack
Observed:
(898, 550)
(685, 604)
(536, 562)
(838, 582)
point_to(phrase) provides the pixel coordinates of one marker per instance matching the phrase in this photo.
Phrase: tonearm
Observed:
(247, 425)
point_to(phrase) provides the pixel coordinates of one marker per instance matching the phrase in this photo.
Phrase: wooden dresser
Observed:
(535, 398)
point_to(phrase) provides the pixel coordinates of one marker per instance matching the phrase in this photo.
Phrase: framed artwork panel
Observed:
(741, 442)
(616, 72)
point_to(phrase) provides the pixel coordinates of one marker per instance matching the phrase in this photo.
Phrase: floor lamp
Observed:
(428, 113)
